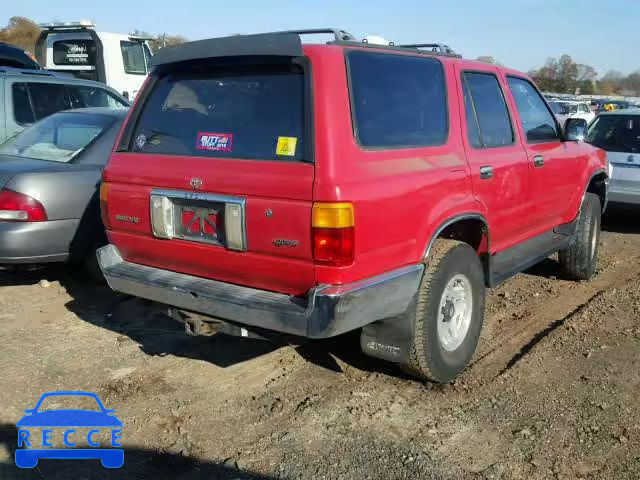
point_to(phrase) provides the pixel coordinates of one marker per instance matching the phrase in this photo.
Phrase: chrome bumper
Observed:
(327, 310)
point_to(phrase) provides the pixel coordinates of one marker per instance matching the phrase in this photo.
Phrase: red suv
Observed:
(317, 189)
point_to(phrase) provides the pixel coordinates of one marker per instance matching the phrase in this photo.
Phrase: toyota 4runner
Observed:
(317, 189)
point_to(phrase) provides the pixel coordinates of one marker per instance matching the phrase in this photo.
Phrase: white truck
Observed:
(119, 60)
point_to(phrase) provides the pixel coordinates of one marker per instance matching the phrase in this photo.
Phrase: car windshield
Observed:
(563, 108)
(66, 402)
(59, 137)
(616, 133)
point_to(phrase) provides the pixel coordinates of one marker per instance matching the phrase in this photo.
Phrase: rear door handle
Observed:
(538, 161)
(486, 172)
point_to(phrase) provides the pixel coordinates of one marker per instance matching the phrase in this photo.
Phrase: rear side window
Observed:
(133, 58)
(397, 100)
(490, 109)
(45, 99)
(255, 113)
(83, 96)
(537, 121)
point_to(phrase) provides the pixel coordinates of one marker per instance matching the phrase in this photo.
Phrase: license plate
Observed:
(199, 221)
(199, 217)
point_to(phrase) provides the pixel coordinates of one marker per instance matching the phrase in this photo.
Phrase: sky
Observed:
(520, 34)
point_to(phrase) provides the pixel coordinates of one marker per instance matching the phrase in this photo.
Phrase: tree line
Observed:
(23, 32)
(564, 75)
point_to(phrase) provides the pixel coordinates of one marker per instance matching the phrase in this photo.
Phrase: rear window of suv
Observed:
(255, 113)
(397, 101)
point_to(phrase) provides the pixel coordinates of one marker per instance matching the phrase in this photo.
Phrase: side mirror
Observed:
(575, 130)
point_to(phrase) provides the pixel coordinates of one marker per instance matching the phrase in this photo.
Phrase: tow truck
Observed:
(77, 48)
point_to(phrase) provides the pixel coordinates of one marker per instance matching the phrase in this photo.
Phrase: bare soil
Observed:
(553, 391)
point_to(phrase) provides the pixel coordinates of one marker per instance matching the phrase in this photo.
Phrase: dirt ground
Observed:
(553, 391)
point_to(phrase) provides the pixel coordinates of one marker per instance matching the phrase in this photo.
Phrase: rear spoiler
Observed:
(283, 44)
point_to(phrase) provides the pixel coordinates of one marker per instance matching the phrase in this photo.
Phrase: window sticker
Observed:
(215, 142)
(286, 146)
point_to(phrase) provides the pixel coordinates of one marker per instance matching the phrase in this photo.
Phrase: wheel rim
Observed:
(594, 237)
(454, 312)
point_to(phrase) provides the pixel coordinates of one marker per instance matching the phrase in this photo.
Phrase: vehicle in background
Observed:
(607, 105)
(12, 56)
(49, 175)
(119, 60)
(563, 110)
(618, 133)
(316, 189)
(27, 96)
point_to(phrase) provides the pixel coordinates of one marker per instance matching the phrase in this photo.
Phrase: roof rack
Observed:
(433, 47)
(338, 34)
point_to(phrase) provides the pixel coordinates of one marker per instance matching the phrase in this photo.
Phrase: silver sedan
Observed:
(618, 133)
(49, 175)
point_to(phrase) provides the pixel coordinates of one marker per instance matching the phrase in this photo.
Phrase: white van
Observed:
(119, 60)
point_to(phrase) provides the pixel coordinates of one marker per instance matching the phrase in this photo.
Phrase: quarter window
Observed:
(397, 100)
(487, 100)
(536, 119)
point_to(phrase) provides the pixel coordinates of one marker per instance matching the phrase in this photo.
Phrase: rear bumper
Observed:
(328, 310)
(36, 242)
(624, 195)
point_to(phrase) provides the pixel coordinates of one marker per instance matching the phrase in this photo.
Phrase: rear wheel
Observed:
(579, 260)
(449, 313)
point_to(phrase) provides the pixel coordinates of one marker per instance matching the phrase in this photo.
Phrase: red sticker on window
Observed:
(214, 142)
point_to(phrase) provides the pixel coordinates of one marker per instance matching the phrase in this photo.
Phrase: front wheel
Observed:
(579, 260)
(449, 313)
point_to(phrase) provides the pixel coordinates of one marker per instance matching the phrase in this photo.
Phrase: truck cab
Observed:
(77, 48)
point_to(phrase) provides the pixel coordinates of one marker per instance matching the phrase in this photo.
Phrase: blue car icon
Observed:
(69, 418)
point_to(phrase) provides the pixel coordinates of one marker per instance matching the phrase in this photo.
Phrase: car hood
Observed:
(11, 166)
(69, 418)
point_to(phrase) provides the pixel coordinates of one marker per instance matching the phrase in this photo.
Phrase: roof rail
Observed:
(433, 47)
(338, 34)
(27, 71)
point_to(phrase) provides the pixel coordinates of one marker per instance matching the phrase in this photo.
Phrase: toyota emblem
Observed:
(196, 183)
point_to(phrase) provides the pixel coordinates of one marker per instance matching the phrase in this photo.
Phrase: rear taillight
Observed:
(104, 196)
(18, 207)
(333, 234)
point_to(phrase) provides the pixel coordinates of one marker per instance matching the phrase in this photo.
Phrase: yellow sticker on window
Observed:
(286, 146)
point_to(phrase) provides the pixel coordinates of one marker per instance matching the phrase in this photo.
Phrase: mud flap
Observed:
(390, 339)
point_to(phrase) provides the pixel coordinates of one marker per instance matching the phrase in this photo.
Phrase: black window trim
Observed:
(559, 128)
(354, 123)
(125, 144)
(514, 137)
(144, 56)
